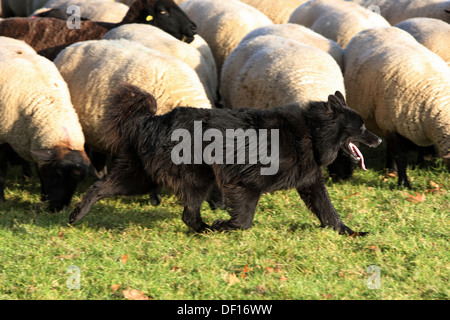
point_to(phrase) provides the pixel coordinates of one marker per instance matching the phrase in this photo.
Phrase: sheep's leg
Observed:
(242, 205)
(318, 201)
(3, 169)
(125, 179)
(397, 148)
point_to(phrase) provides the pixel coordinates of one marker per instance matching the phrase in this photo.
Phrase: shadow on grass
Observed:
(23, 206)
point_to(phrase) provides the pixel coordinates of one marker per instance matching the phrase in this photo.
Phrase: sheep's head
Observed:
(60, 170)
(164, 14)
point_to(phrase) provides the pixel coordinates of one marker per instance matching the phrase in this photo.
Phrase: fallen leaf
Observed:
(328, 296)
(133, 294)
(115, 287)
(283, 278)
(244, 272)
(174, 269)
(435, 188)
(391, 174)
(61, 234)
(269, 269)
(417, 198)
(232, 278)
(373, 248)
(124, 258)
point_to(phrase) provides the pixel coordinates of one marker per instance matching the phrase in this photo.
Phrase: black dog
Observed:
(149, 153)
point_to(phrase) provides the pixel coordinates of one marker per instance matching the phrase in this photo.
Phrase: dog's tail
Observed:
(127, 107)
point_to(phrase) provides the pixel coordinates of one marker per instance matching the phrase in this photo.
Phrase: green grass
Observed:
(285, 255)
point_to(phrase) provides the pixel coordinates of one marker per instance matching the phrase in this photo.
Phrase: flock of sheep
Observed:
(390, 58)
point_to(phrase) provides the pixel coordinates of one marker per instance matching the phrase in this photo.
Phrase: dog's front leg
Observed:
(318, 201)
(125, 179)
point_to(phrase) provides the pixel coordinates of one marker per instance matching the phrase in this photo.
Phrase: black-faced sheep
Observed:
(49, 36)
(39, 122)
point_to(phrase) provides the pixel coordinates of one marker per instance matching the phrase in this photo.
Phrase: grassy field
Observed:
(127, 249)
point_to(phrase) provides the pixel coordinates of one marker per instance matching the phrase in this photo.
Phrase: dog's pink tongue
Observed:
(361, 157)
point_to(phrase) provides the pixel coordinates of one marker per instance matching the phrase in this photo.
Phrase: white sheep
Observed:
(434, 34)
(401, 89)
(278, 12)
(301, 34)
(336, 19)
(399, 10)
(95, 10)
(223, 23)
(269, 71)
(157, 39)
(92, 69)
(38, 120)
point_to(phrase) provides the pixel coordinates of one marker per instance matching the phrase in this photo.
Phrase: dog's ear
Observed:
(333, 105)
(340, 96)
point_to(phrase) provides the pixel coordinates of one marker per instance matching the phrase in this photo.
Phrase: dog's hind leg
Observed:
(242, 205)
(125, 179)
(318, 201)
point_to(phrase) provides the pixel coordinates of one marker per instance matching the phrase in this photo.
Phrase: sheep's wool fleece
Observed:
(155, 38)
(301, 34)
(336, 20)
(270, 71)
(434, 34)
(397, 85)
(396, 11)
(92, 72)
(277, 11)
(223, 23)
(35, 108)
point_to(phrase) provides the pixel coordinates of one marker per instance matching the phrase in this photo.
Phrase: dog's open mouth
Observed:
(356, 155)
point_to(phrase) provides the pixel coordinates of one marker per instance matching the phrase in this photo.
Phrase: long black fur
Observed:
(309, 138)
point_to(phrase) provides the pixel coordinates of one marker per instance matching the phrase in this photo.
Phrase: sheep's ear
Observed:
(44, 156)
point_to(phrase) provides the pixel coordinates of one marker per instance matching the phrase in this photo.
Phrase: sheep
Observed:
(397, 11)
(434, 34)
(20, 8)
(39, 122)
(49, 36)
(90, 69)
(400, 99)
(274, 10)
(97, 10)
(157, 39)
(223, 23)
(336, 19)
(302, 34)
(269, 71)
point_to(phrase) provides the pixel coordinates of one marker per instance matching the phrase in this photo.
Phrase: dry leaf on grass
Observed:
(232, 278)
(417, 198)
(435, 188)
(124, 258)
(133, 294)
